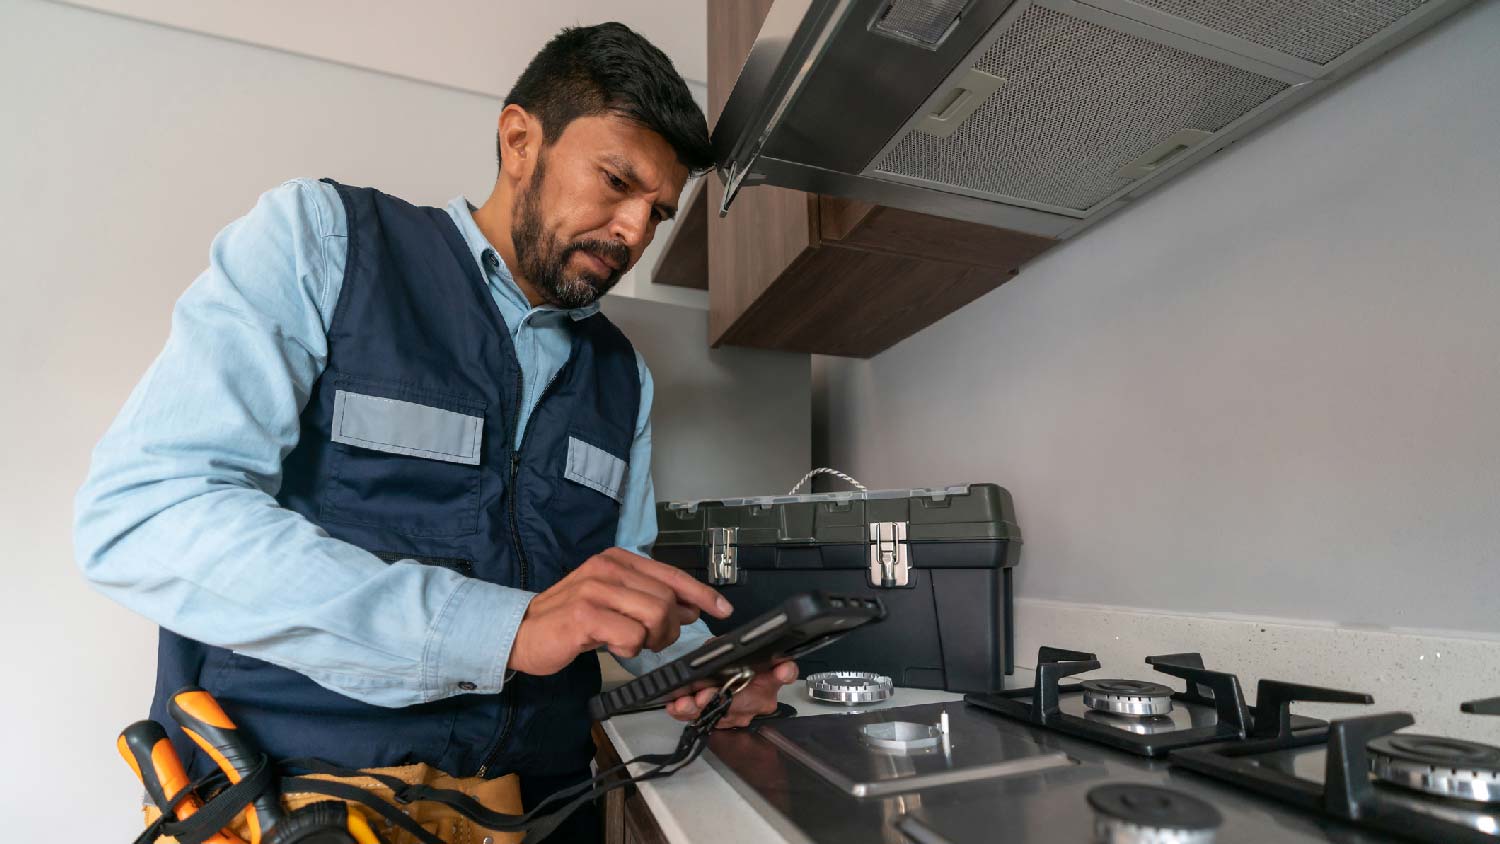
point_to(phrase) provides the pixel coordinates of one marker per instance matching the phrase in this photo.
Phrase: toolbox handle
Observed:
(824, 470)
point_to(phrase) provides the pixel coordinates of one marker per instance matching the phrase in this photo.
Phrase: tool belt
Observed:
(502, 794)
(245, 796)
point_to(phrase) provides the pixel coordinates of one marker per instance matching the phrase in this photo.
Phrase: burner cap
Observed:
(849, 687)
(1127, 697)
(1148, 814)
(1436, 765)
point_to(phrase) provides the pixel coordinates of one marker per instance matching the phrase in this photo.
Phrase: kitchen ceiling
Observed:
(475, 45)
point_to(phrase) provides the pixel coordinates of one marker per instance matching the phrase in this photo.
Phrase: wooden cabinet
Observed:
(627, 820)
(799, 272)
(684, 256)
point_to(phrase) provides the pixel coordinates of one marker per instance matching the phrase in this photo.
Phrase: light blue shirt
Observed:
(177, 519)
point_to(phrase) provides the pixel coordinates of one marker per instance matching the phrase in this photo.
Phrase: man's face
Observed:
(591, 207)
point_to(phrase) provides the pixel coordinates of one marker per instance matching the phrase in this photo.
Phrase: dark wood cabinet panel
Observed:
(684, 257)
(732, 28)
(627, 819)
(799, 272)
(856, 303)
(861, 225)
(769, 228)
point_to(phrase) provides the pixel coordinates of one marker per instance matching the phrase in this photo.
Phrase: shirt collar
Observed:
(489, 260)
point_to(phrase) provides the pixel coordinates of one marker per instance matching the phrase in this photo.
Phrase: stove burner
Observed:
(1127, 697)
(1436, 765)
(849, 687)
(902, 736)
(1141, 725)
(1129, 813)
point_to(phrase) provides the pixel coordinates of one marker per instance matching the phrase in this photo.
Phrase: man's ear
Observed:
(520, 138)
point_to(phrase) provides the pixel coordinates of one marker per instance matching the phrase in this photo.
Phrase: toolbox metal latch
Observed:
(890, 564)
(722, 553)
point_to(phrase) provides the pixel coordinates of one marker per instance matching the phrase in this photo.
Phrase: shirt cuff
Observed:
(471, 641)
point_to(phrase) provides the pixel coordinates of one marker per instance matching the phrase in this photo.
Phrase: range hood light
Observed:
(925, 23)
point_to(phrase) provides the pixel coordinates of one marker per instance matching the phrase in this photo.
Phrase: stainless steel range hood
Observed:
(1041, 116)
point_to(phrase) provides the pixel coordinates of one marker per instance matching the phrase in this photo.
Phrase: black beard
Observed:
(543, 258)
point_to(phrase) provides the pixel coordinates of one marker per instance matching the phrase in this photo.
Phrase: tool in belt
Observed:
(248, 781)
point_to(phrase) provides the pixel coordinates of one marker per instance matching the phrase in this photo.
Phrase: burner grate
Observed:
(1215, 704)
(1356, 748)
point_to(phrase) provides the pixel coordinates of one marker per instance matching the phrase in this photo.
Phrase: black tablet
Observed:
(803, 623)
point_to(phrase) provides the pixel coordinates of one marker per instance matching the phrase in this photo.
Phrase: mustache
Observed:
(611, 252)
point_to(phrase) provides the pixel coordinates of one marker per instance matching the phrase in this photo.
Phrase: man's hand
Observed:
(757, 698)
(618, 600)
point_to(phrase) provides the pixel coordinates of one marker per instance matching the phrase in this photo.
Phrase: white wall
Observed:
(124, 147)
(474, 45)
(725, 421)
(1271, 388)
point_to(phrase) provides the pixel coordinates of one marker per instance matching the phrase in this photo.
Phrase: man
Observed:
(387, 487)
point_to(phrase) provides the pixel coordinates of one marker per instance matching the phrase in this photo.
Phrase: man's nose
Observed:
(631, 222)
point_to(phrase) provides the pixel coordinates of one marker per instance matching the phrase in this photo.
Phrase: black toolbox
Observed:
(939, 559)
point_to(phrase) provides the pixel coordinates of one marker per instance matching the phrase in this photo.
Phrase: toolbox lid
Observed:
(767, 501)
(962, 513)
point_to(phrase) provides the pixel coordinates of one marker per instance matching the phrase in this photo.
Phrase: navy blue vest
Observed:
(415, 322)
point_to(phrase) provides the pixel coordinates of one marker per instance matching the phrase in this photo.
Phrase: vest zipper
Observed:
(515, 465)
(515, 468)
(515, 532)
(494, 749)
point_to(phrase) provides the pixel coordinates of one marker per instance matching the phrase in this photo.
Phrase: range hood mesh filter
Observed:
(1312, 30)
(1080, 101)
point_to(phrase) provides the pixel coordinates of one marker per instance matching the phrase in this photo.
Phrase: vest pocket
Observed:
(404, 459)
(590, 483)
(396, 426)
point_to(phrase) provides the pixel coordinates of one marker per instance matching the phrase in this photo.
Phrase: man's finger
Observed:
(689, 590)
(656, 616)
(759, 696)
(685, 708)
(629, 577)
(694, 703)
(624, 636)
(786, 673)
(682, 707)
(750, 703)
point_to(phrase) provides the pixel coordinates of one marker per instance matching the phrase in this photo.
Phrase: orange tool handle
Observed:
(206, 724)
(148, 752)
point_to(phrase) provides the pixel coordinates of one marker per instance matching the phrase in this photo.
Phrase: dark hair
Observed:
(609, 68)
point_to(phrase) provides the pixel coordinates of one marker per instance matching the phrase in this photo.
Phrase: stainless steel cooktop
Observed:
(1049, 804)
(1071, 763)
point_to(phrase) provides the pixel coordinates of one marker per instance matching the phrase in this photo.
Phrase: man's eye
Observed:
(614, 181)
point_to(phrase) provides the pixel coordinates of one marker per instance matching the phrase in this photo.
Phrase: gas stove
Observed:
(1149, 718)
(1119, 760)
(1360, 770)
